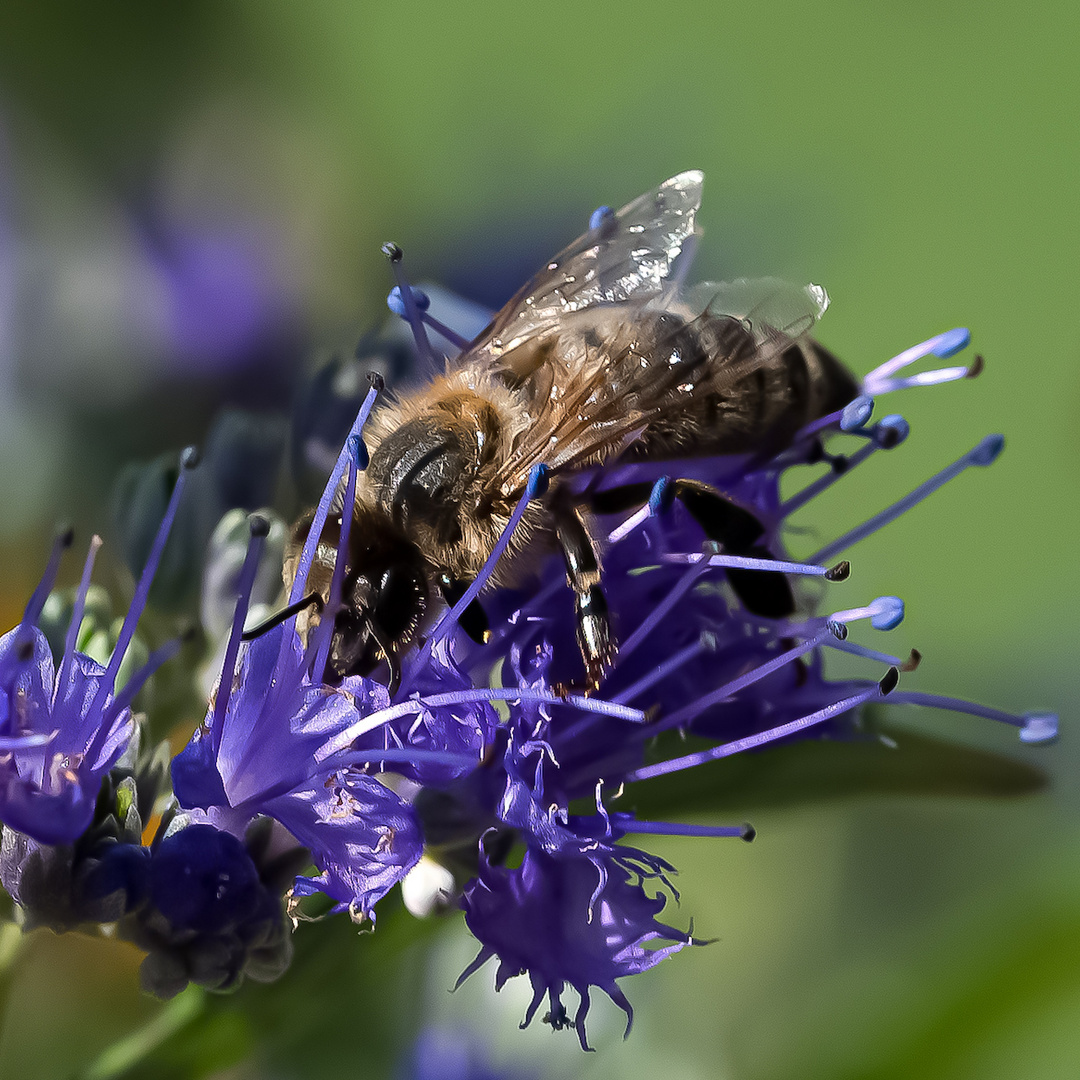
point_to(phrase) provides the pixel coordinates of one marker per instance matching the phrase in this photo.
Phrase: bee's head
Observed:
(384, 597)
(428, 471)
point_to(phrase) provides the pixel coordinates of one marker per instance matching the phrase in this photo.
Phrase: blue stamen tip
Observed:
(890, 613)
(1039, 728)
(600, 216)
(856, 414)
(891, 431)
(396, 303)
(951, 342)
(358, 451)
(987, 451)
(538, 480)
(662, 496)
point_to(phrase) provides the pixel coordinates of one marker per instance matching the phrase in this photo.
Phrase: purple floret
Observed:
(257, 754)
(577, 920)
(56, 752)
(62, 730)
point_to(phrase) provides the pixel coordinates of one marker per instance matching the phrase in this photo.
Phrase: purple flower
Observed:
(695, 656)
(484, 746)
(62, 730)
(257, 753)
(213, 913)
(570, 920)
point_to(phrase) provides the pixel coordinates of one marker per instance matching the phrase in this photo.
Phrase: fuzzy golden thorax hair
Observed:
(433, 473)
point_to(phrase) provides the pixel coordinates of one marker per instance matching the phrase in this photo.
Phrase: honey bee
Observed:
(600, 357)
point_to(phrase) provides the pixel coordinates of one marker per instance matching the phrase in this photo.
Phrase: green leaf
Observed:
(813, 770)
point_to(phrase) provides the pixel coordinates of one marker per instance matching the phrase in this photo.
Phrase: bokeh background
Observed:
(192, 197)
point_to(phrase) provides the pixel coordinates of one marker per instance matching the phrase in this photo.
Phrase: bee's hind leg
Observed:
(764, 593)
(594, 635)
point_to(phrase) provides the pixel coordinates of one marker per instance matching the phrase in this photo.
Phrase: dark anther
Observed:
(393, 252)
(912, 662)
(815, 452)
(25, 651)
(711, 547)
(282, 615)
(748, 833)
(188, 632)
(376, 380)
(65, 535)
(839, 464)
(889, 681)
(258, 525)
(839, 572)
(557, 1018)
(887, 436)
(189, 457)
(838, 630)
(975, 367)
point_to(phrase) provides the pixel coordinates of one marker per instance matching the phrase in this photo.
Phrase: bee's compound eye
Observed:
(401, 601)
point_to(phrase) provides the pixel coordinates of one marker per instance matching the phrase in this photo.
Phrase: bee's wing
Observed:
(768, 305)
(627, 256)
(612, 398)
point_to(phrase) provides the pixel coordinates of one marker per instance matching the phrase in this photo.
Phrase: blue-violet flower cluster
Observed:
(483, 779)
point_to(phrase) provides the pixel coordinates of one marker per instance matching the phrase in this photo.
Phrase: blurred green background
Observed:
(920, 160)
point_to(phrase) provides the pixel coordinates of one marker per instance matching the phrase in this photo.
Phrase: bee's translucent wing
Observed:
(766, 304)
(594, 403)
(628, 255)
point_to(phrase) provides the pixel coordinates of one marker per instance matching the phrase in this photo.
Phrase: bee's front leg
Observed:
(594, 635)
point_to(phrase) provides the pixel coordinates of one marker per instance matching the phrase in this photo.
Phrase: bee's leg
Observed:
(473, 620)
(393, 664)
(618, 500)
(763, 593)
(594, 637)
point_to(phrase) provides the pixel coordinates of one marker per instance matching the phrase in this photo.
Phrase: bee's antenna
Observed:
(277, 619)
(412, 311)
